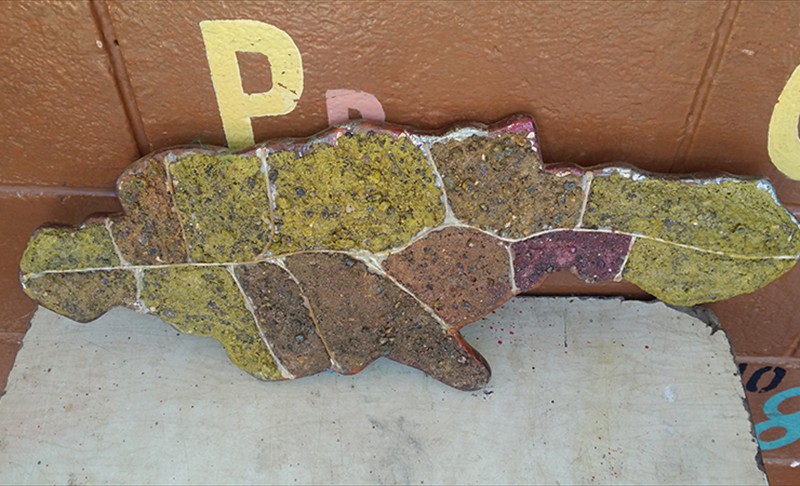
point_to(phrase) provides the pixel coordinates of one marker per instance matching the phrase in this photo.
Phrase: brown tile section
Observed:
(284, 318)
(362, 316)
(62, 123)
(757, 62)
(22, 214)
(150, 233)
(609, 87)
(499, 185)
(461, 273)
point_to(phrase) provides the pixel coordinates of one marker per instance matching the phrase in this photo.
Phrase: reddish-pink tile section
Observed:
(592, 256)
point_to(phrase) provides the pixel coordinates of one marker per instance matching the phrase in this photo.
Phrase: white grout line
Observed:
(618, 276)
(380, 256)
(588, 177)
(263, 155)
(249, 305)
(458, 135)
(335, 366)
(380, 271)
(511, 272)
(122, 261)
(170, 187)
(449, 215)
(139, 304)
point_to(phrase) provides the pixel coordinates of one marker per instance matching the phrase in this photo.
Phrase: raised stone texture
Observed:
(150, 233)
(497, 183)
(283, 317)
(737, 217)
(363, 316)
(363, 190)
(89, 246)
(206, 301)
(461, 273)
(681, 276)
(83, 296)
(371, 192)
(592, 256)
(223, 205)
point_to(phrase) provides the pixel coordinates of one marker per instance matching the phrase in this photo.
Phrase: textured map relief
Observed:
(374, 240)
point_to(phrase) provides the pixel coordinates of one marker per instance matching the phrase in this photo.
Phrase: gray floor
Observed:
(583, 391)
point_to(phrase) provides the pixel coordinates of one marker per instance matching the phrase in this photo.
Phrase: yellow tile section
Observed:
(224, 206)
(206, 301)
(66, 249)
(736, 217)
(369, 192)
(682, 276)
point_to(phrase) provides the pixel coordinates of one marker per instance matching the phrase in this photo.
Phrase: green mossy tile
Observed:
(83, 296)
(224, 207)
(369, 191)
(89, 246)
(682, 276)
(205, 300)
(737, 217)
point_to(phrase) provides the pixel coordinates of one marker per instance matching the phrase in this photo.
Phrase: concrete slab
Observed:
(583, 391)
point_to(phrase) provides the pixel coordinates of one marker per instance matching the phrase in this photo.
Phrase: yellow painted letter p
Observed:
(223, 39)
(783, 142)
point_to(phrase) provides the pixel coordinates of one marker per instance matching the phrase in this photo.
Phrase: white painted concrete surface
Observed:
(583, 392)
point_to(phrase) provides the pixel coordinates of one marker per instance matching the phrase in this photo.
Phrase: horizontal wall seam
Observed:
(22, 191)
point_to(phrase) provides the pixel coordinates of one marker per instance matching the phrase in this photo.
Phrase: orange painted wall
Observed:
(89, 86)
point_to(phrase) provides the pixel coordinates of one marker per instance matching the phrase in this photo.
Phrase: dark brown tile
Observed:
(150, 233)
(362, 316)
(461, 273)
(497, 183)
(284, 319)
